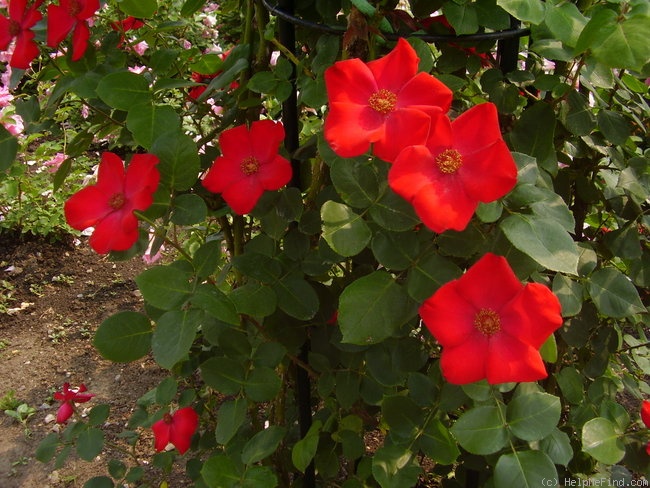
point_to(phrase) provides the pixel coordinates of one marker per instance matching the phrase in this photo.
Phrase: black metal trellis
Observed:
(507, 55)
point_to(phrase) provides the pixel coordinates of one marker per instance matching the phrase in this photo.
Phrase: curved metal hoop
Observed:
(513, 33)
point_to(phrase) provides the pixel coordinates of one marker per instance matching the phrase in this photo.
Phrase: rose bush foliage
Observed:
(509, 211)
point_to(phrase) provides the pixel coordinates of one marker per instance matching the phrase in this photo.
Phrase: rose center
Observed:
(74, 8)
(487, 321)
(250, 166)
(383, 101)
(14, 28)
(117, 201)
(449, 161)
(167, 418)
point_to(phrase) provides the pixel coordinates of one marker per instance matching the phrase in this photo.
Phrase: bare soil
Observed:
(53, 296)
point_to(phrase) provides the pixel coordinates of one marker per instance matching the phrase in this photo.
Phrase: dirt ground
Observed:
(53, 296)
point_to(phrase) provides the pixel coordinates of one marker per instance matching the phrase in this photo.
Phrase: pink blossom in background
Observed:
(54, 163)
(5, 97)
(14, 124)
(137, 69)
(141, 47)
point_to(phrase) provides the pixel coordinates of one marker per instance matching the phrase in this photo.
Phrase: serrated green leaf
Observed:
(124, 90)
(345, 231)
(296, 297)
(146, 122)
(304, 450)
(481, 430)
(525, 469)
(533, 416)
(602, 440)
(164, 287)
(90, 443)
(356, 180)
(262, 384)
(262, 444)
(614, 294)
(174, 335)
(527, 10)
(179, 159)
(230, 417)
(224, 375)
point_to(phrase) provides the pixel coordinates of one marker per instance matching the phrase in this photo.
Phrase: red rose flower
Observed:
(108, 205)
(645, 417)
(197, 91)
(177, 429)
(71, 15)
(249, 164)
(490, 325)
(385, 102)
(68, 397)
(18, 26)
(463, 163)
(130, 23)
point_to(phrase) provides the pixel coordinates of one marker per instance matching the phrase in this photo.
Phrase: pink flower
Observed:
(68, 397)
(54, 163)
(177, 429)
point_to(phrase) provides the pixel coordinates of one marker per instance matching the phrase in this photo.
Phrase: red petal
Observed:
(476, 128)
(395, 69)
(403, 128)
(265, 138)
(448, 316)
(465, 363)
(88, 9)
(64, 412)
(80, 38)
(236, 143)
(443, 205)
(17, 10)
(111, 174)
(243, 196)
(184, 423)
(349, 81)
(349, 129)
(645, 412)
(425, 93)
(5, 36)
(59, 24)
(117, 231)
(141, 180)
(224, 172)
(510, 360)
(161, 431)
(489, 173)
(32, 16)
(25, 50)
(275, 174)
(490, 283)
(533, 315)
(411, 171)
(86, 207)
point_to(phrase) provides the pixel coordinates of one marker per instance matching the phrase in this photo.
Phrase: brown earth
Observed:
(53, 296)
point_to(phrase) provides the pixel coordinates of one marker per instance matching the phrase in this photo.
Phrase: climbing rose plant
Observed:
(437, 244)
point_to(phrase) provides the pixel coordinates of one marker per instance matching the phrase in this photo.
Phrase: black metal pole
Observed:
(508, 49)
(287, 36)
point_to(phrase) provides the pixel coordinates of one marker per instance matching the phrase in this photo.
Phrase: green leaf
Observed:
(372, 309)
(47, 447)
(259, 266)
(437, 443)
(190, 7)
(570, 381)
(179, 159)
(296, 297)
(394, 213)
(462, 17)
(569, 293)
(123, 337)
(189, 209)
(215, 303)
(565, 22)
(403, 416)
(230, 417)
(533, 416)
(90, 443)
(8, 148)
(602, 440)
(527, 10)
(614, 294)
(166, 391)
(146, 122)
(262, 444)
(576, 114)
(396, 251)
(164, 287)
(263, 82)
(263, 384)
(142, 9)
(123, 90)
(345, 231)
(174, 335)
(356, 180)
(395, 467)
(481, 430)
(99, 482)
(98, 414)
(527, 469)
(254, 299)
(220, 471)
(224, 375)
(544, 240)
(616, 41)
(557, 446)
(304, 450)
(206, 259)
(259, 477)
(428, 274)
(534, 133)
